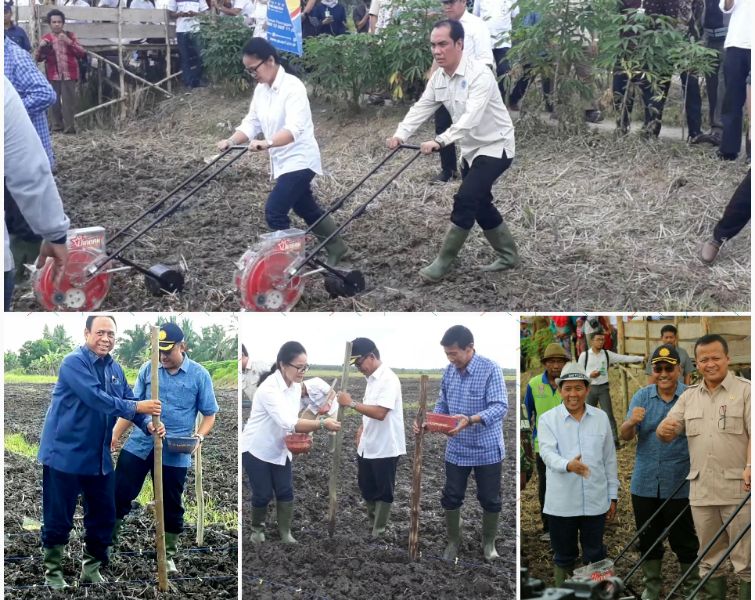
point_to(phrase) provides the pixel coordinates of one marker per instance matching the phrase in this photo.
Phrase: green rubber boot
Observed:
(561, 574)
(382, 514)
(285, 515)
(116, 532)
(171, 549)
(90, 569)
(744, 590)
(370, 513)
(453, 531)
(449, 250)
(651, 571)
(259, 513)
(24, 253)
(503, 243)
(715, 587)
(489, 530)
(335, 247)
(53, 570)
(691, 582)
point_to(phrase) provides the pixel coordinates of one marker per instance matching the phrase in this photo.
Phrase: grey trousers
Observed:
(63, 111)
(600, 395)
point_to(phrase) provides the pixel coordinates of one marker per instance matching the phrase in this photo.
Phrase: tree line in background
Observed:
(212, 346)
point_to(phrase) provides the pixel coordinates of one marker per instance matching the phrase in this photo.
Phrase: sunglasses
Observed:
(663, 368)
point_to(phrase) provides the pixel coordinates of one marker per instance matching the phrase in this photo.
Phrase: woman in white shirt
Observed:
(265, 458)
(280, 111)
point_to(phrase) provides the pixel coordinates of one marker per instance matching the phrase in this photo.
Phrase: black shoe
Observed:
(445, 176)
(706, 138)
(593, 116)
(726, 156)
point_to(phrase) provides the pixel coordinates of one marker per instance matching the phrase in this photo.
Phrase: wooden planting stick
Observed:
(332, 435)
(417, 473)
(162, 567)
(335, 465)
(198, 492)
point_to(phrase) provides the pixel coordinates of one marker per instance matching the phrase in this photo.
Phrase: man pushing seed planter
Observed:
(75, 449)
(473, 392)
(186, 389)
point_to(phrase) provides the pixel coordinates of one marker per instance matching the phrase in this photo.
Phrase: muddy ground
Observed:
(130, 574)
(352, 565)
(601, 224)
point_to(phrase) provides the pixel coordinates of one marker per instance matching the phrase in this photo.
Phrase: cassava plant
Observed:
(222, 40)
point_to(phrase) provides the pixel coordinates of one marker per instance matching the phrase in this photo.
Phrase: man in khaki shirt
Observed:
(468, 89)
(715, 416)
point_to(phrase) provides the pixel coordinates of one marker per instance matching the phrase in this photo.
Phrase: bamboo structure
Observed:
(620, 348)
(335, 465)
(198, 491)
(417, 473)
(162, 567)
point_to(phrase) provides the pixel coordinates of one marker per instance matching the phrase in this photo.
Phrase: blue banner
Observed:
(284, 25)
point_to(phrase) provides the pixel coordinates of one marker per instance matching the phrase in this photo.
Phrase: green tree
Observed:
(215, 345)
(133, 346)
(33, 350)
(11, 361)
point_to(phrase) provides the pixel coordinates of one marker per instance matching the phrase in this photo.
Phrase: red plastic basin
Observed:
(298, 443)
(440, 423)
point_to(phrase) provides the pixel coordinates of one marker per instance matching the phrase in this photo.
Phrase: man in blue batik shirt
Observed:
(472, 390)
(90, 394)
(186, 390)
(658, 470)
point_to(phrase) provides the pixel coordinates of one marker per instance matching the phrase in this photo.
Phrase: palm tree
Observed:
(132, 345)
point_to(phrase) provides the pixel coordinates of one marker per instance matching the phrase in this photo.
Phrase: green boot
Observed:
(53, 570)
(90, 569)
(285, 514)
(503, 243)
(370, 512)
(691, 582)
(489, 528)
(651, 570)
(259, 513)
(382, 514)
(335, 247)
(744, 590)
(171, 548)
(715, 587)
(24, 253)
(453, 531)
(561, 574)
(452, 243)
(116, 532)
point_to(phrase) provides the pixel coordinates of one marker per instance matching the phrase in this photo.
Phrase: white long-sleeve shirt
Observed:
(740, 25)
(28, 175)
(284, 105)
(275, 411)
(480, 120)
(597, 362)
(477, 39)
(497, 16)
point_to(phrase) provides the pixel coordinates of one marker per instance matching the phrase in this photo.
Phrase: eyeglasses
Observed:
(299, 368)
(359, 361)
(722, 416)
(253, 70)
(664, 368)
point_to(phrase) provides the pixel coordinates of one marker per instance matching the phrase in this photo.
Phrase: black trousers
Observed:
(377, 478)
(488, 478)
(474, 200)
(60, 491)
(714, 84)
(737, 212)
(129, 479)
(524, 82)
(443, 121)
(501, 68)
(541, 489)
(737, 64)
(682, 537)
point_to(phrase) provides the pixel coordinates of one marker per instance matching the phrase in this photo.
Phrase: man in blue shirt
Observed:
(75, 449)
(472, 390)
(658, 470)
(186, 390)
(577, 448)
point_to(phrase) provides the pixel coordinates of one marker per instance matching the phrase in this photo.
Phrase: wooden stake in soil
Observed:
(621, 348)
(198, 490)
(417, 473)
(335, 466)
(162, 567)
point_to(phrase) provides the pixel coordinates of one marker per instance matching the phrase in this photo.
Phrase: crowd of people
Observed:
(692, 465)
(472, 391)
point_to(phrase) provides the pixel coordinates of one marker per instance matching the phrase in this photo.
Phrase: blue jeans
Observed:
(488, 479)
(564, 532)
(191, 59)
(267, 479)
(292, 191)
(60, 491)
(9, 282)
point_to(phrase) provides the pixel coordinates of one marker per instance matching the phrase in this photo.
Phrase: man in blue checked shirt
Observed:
(472, 390)
(576, 445)
(658, 470)
(75, 449)
(186, 390)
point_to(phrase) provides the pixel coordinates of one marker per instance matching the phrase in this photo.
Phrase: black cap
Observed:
(361, 347)
(666, 353)
(170, 335)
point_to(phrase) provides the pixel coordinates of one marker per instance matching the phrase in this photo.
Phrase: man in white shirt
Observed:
(497, 16)
(480, 122)
(477, 46)
(316, 399)
(381, 435)
(596, 362)
(185, 12)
